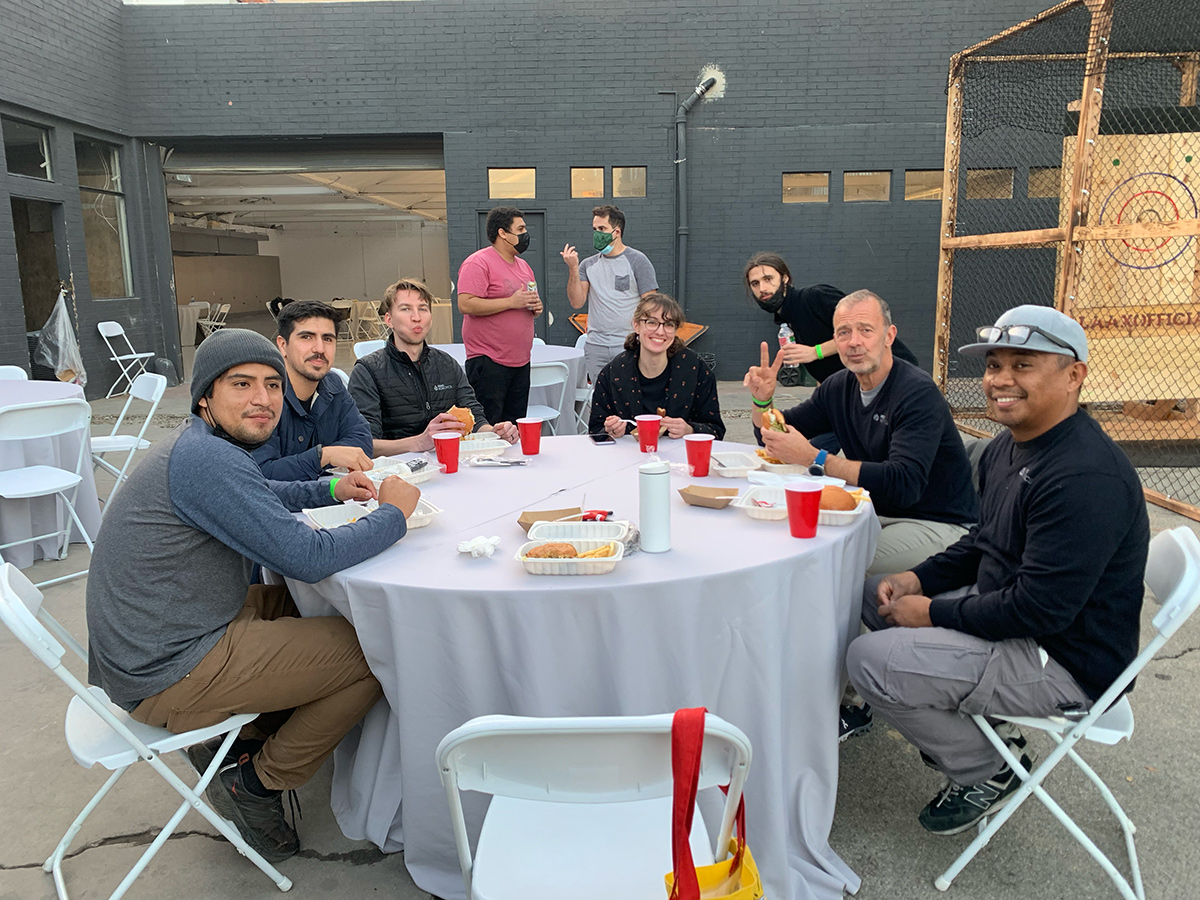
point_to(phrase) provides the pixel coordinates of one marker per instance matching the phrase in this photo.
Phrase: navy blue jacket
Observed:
(291, 453)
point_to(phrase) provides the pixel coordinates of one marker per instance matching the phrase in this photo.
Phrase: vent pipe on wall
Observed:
(681, 210)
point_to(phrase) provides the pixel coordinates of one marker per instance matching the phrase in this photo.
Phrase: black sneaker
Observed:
(855, 720)
(200, 755)
(958, 807)
(259, 819)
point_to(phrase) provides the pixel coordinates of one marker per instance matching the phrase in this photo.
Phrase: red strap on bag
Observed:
(687, 745)
(687, 742)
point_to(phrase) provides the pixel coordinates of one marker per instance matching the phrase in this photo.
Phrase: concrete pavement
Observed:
(882, 785)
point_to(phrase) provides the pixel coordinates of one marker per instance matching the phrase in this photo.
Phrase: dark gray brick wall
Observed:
(812, 85)
(65, 58)
(818, 85)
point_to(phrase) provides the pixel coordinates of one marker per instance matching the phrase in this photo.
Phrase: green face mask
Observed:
(602, 241)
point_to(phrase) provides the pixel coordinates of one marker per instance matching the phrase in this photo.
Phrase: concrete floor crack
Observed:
(1183, 652)
(366, 856)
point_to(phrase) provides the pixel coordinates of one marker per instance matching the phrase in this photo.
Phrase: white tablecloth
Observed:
(541, 353)
(189, 315)
(25, 518)
(738, 616)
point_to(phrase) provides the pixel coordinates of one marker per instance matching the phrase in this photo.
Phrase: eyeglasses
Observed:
(655, 325)
(1019, 335)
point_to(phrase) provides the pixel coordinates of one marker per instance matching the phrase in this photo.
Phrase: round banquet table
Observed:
(25, 518)
(572, 356)
(738, 616)
(189, 315)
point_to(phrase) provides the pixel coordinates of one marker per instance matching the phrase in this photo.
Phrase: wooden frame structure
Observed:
(1078, 220)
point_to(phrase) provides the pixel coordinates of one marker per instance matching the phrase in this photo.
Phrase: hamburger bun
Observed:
(833, 497)
(552, 550)
(463, 415)
(773, 419)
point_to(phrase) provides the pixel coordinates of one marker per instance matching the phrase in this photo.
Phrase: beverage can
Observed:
(531, 286)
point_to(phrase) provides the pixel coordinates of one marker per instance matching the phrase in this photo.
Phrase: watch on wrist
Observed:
(818, 466)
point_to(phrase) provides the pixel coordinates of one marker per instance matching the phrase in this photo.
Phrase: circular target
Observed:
(1150, 198)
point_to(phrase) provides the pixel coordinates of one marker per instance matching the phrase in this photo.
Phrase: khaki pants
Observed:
(307, 677)
(905, 543)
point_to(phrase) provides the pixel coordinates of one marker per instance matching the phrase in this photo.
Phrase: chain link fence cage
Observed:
(1072, 179)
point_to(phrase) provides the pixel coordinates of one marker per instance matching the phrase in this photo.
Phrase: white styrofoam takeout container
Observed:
(601, 566)
(345, 513)
(735, 464)
(578, 531)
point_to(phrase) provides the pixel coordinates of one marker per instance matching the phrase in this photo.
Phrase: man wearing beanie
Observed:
(1035, 611)
(178, 634)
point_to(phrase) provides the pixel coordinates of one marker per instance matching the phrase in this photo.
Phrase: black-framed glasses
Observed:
(1018, 335)
(655, 325)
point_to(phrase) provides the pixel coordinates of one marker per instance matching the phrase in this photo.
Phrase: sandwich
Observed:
(463, 415)
(833, 497)
(773, 419)
(552, 550)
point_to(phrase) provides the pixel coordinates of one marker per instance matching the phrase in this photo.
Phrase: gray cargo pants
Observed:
(926, 681)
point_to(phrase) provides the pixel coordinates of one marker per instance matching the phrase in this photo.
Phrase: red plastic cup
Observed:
(648, 432)
(446, 444)
(699, 453)
(531, 435)
(804, 507)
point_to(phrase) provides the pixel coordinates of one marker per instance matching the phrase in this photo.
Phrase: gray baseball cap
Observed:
(1045, 330)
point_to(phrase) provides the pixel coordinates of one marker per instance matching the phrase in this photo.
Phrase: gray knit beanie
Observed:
(226, 348)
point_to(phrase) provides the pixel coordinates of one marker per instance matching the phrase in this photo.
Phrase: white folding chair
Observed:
(1173, 575)
(215, 320)
(132, 363)
(538, 342)
(149, 388)
(13, 373)
(583, 395)
(34, 421)
(369, 323)
(362, 348)
(581, 807)
(342, 375)
(100, 733)
(547, 375)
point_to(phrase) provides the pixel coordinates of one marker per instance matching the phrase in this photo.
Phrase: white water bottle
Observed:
(654, 494)
(787, 336)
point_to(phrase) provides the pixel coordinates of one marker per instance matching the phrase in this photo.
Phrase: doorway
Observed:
(37, 258)
(552, 325)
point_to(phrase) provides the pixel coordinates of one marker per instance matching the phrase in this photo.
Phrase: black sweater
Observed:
(913, 461)
(809, 311)
(1059, 553)
(691, 393)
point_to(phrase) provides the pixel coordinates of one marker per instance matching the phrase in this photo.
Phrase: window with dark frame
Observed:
(805, 187)
(26, 149)
(868, 187)
(923, 184)
(512, 184)
(587, 182)
(105, 231)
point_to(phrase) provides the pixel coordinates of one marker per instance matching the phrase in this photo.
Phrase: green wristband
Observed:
(763, 404)
(820, 352)
(332, 486)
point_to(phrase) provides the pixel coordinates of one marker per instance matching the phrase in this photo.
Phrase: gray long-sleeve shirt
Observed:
(174, 554)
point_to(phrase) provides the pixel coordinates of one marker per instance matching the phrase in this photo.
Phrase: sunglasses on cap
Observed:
(1019, 335)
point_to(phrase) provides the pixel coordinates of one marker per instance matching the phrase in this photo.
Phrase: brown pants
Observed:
(307, 677)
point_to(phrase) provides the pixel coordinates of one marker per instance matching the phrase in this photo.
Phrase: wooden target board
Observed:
(1138, 298)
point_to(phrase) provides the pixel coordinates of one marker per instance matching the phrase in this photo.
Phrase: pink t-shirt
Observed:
(506, 337)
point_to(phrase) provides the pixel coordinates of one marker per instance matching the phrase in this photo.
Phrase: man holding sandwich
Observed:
(406, 390)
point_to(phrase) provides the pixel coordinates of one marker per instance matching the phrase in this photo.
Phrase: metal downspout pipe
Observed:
(681, 204)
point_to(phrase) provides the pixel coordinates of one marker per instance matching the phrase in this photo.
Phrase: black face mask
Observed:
(775, 302)
(522, 243)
